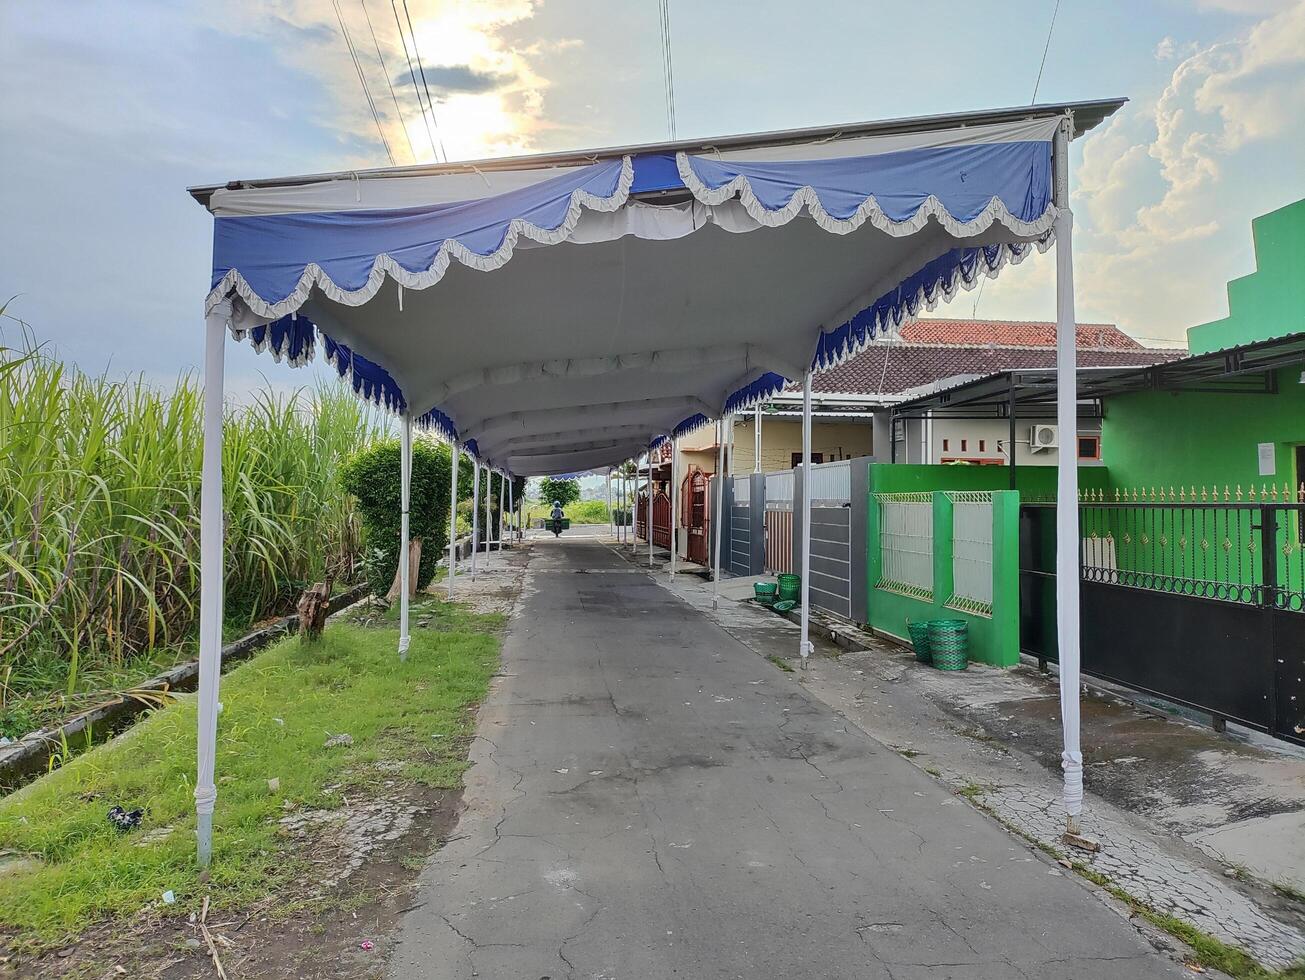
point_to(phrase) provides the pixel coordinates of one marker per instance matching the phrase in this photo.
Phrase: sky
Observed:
(110, 109)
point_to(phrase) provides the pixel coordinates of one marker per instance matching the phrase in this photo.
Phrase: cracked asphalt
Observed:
(650, 799)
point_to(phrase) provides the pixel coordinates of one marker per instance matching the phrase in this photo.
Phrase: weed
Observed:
(781, 663)
(277, 709)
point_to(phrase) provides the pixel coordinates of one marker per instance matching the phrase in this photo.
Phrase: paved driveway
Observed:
(650, 799)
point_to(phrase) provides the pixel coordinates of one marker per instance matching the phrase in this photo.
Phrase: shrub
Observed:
(372, 476)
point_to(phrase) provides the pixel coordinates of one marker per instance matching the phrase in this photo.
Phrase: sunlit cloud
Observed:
(1161, 194)
(455, 85)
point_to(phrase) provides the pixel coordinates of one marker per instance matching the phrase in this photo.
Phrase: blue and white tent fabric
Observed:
(541, 310)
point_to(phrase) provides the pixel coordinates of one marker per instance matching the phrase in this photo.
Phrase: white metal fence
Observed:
(779, 490)
(742, 490)
(831, 484)
(906, 543)
(971, 551)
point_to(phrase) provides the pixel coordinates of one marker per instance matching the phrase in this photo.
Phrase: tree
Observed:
(372, 476)
(563, 491)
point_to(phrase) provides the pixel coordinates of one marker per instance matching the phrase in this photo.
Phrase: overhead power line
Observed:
(1036, 85)
(1045, 48)
(412, 74)
(386, 72)
(668, 66)
(362, 78)
(421, 67)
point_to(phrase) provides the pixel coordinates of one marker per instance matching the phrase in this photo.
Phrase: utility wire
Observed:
(412, 73)
(1045, 48)
(421, 67)
(386, 72)
(362, 78)
(1036, 85)
(668, 66)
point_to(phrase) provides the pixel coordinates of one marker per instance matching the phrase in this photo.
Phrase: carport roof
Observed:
(553, 312)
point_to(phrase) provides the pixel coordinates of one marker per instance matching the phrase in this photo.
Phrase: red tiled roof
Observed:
(1016, 333)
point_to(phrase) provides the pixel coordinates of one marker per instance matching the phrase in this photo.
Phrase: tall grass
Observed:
(99, 509)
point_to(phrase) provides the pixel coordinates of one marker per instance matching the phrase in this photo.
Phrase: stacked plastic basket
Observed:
(764, 593)
(945, 643)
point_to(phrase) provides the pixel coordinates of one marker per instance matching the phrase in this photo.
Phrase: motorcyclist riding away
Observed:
(556, 513)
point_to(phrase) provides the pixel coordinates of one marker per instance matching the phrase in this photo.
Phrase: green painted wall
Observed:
(1194, 438)
(993, 639)
(1270, 302)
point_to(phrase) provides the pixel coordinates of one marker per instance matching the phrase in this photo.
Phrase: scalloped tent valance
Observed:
(629, 293)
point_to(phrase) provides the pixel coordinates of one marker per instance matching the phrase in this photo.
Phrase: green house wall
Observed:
(1203, 439)
(1270, 302)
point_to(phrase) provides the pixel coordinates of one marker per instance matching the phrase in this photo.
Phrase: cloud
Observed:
(489, 95)
(446, 79)
(1166, 49)
(1165, 191)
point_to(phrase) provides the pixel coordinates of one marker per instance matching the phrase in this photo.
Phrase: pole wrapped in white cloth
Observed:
(455, 451)
(756, 440)
(675, 498)
(650, 503)
(511, 509)
(1067, 530)
(719, 480)
(405, 559)
(210, 582)
(611, 517)
(806, 646)
(489, 514)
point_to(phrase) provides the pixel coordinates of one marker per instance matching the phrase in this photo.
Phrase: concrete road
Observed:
(650, 799)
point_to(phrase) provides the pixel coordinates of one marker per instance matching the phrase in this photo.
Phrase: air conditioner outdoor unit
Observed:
(1042, 437)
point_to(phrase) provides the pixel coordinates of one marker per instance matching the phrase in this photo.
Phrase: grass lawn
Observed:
(69, 868)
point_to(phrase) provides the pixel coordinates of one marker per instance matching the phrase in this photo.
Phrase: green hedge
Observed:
(372, 476)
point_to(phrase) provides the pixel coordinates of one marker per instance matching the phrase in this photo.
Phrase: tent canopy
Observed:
(593, 333)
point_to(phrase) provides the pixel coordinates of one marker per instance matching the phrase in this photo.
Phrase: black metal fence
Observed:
(1201, 602)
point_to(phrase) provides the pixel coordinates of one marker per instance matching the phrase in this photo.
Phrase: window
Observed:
(946, 445)
(1089, 447)
(964, 445)
(815, 458)
(983, 445)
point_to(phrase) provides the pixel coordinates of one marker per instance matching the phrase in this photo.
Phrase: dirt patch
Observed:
(338, 921)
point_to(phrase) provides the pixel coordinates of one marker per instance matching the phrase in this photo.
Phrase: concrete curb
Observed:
(31, 754)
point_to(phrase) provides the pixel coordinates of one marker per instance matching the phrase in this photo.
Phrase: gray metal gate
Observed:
(740, 527)
(831, 537)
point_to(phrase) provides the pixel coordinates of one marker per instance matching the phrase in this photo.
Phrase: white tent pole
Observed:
(806, 647)
(1067, 531)
(210, 583)
(720, 516)
(650, 503)
(455, 450)
(511, 509)
(502, 496)
(489, 516)
(405, 559)
(475, 513)
(756, 440)
(611, 518)
(675, 501)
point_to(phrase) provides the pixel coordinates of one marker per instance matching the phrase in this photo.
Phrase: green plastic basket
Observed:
(784, 605)
(949, 643)
(790, 586)
(764, 593)
(919, 633)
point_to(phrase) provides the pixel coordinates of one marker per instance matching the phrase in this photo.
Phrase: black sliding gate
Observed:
(1199, 603)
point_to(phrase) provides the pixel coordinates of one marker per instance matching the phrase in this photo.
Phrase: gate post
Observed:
(757, 524)
(858, 500)
(799, 489)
